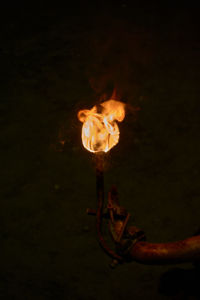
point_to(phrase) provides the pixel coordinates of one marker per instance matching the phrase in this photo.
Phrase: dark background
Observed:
(54, 61)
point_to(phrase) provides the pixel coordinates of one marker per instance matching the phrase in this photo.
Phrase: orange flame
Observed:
(100, 131)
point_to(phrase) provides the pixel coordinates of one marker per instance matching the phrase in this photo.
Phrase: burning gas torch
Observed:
(100, 133)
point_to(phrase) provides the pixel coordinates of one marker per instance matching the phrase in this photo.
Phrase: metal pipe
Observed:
(100, 202)
(166, 253)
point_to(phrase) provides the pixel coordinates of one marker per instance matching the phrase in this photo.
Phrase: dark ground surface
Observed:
(55, 62)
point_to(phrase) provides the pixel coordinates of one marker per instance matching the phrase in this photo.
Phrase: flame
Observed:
(100, 131)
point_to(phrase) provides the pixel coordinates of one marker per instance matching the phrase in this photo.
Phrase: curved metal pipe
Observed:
(166, 253)
(100, 199)
(141, 251)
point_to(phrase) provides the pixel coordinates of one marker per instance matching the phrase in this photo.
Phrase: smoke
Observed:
(120, 56)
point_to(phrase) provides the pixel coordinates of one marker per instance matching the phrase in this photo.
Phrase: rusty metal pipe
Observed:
(100, 203)
(187, 250)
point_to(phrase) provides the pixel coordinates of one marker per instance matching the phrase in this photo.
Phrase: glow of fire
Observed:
(100, 131)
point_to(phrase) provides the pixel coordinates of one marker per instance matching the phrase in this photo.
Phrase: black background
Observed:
(54, 61)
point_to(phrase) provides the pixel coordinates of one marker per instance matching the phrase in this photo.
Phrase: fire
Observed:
(100, 131)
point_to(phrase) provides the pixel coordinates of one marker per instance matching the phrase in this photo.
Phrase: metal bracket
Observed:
(123, 236)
